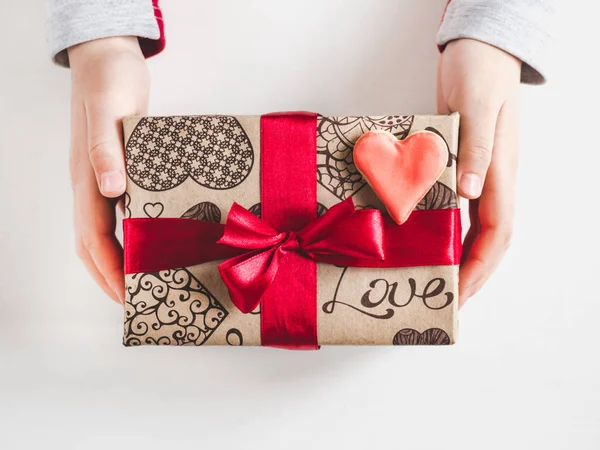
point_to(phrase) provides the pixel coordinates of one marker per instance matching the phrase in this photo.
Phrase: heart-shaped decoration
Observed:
(400, 172)
(154, 210)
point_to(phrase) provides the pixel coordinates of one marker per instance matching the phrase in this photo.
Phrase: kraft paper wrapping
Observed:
(197, 166)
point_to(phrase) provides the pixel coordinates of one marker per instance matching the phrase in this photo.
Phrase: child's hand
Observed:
(481, 82)
(110, 80)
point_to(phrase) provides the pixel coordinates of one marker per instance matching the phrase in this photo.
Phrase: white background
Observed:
(526, 371)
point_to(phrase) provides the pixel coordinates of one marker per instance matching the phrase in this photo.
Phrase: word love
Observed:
(383, 294)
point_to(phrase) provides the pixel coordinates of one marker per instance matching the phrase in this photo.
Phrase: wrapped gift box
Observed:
(196, 167)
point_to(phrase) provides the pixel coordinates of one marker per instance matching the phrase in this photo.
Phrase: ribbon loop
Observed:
(245, 230)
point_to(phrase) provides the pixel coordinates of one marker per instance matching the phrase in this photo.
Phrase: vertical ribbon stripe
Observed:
(289, 202)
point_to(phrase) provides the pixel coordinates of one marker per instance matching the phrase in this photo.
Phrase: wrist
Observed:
(486, 58)
(91, 51)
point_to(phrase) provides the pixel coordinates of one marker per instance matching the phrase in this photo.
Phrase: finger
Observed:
(90, 266)
(86, 198)
(105, 145)
(495, 208)
(474, 229)
(477, 126)
(97, 228)
(442, 106)
(121, 206)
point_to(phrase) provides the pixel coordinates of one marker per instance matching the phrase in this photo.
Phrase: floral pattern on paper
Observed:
(214, 151)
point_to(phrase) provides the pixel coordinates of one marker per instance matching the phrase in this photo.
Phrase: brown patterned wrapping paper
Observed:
(197, 166)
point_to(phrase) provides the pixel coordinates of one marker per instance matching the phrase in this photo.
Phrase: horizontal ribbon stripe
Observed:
(427, 238)
(160, 244)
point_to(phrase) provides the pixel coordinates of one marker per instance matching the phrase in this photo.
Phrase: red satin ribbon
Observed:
(288, 193)
(427, 238)
(273, 261)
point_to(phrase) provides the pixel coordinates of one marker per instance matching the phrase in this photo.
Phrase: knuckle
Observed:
(479, 150)
(89, 240)
(505, 235)
(482, 263)
(99, 150)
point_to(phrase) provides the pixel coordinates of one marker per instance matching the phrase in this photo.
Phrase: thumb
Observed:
(477, 128)
(105, 146)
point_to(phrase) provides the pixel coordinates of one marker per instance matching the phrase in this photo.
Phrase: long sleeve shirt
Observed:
(519, 27)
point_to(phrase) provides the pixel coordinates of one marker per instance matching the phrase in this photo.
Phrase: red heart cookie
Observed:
(400, 172)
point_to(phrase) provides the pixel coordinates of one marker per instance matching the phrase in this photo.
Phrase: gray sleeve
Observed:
(519, 27)
(72, 22)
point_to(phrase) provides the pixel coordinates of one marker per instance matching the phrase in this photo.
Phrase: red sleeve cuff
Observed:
(151, 47)
(440, 47)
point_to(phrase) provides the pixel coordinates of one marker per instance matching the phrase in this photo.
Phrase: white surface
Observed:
(526, 371)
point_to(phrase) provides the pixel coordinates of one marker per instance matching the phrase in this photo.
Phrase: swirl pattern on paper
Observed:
(214, 151)
(170, 307)
(336, 137)
(234, 337)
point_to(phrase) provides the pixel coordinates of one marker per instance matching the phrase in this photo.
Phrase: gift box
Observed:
(260, 230)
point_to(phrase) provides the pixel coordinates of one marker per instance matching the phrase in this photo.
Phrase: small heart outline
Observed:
(154, 210)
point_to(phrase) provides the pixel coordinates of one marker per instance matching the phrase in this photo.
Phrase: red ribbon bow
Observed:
(341, 234)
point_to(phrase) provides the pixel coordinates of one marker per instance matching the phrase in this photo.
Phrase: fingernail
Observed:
(112, 182)
(470, 184)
